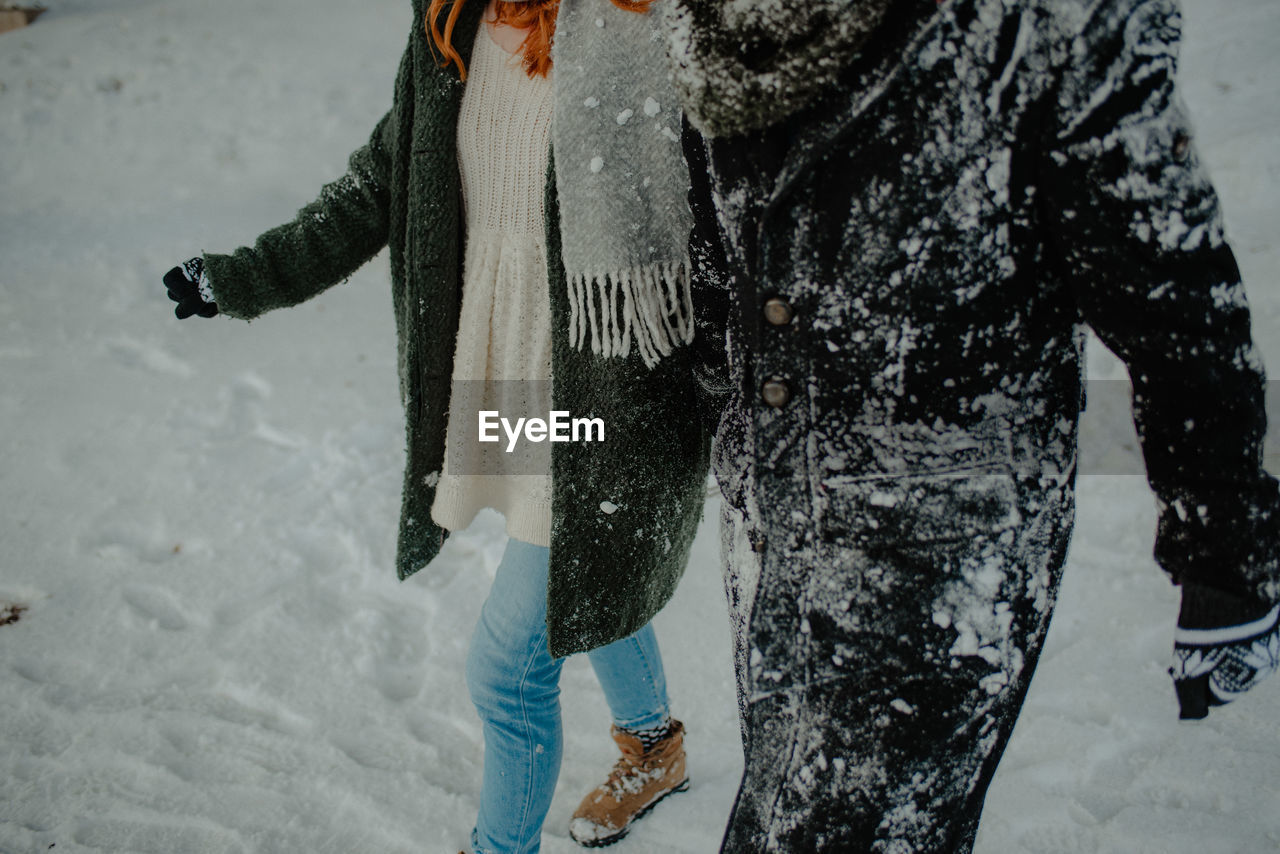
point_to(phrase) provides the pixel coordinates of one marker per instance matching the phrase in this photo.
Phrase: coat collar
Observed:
(885, 59)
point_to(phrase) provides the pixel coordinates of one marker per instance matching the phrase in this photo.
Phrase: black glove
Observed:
(1224, 645)
(189, 288)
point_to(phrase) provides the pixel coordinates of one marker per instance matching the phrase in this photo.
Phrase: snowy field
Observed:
(199, 517)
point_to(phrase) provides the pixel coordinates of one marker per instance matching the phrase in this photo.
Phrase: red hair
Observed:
(538, 16)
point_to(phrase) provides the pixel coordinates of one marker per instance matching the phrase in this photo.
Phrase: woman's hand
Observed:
(189, 288)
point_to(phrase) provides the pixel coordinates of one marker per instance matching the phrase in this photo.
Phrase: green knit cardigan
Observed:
(624, 511)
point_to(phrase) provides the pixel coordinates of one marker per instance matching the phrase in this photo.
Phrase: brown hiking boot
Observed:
(637, 782)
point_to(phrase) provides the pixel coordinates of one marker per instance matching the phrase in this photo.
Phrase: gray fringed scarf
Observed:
(622, 182)
(744, 65)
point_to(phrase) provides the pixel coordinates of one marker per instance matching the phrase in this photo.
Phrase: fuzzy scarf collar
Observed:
(742, 65)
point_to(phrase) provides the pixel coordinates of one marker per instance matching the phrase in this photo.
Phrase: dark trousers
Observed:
(879, 684)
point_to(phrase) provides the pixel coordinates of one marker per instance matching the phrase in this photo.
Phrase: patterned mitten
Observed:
(1223, 646)
(189, 288)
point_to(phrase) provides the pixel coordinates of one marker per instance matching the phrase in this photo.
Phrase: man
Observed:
(915, 208)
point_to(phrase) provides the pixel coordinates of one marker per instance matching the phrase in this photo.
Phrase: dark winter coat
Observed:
(624, 511)
(915, 257)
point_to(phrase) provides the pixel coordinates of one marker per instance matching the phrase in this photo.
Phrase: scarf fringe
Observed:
(652, 306)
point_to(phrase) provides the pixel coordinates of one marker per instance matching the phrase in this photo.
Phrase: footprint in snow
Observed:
(131, 353)
(156, 605)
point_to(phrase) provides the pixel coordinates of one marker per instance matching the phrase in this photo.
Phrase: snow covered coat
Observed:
(915, 256)
(912, 258)
(624, 511)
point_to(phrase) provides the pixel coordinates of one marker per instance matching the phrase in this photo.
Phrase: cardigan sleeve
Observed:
(1138, 233)
(326, 242)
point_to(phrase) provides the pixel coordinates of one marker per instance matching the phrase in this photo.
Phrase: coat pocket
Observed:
(914, 483)
(921, 508)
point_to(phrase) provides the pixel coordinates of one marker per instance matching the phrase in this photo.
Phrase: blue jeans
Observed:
(515, 685)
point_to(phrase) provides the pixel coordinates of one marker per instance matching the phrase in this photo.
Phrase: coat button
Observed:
(776, 392)
(778, 311)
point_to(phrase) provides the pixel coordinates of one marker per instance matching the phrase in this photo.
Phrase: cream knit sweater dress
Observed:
(502, 357)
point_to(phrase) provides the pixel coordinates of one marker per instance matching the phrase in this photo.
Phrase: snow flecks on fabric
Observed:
(997, 177)
(741, 567)
(586, 829)
(917, 491)
(793, 51)
(1171, 230)
(899, 343)
(1249, 357)
(1229, 295)
(1026, 24)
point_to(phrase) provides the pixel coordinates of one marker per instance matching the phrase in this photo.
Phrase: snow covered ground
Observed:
(199, 517)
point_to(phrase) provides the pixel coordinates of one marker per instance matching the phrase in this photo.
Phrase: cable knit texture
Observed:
(624, 511)
(504, 331)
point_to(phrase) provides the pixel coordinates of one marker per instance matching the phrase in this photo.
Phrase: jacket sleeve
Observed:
(325, 243)
(1139, 235)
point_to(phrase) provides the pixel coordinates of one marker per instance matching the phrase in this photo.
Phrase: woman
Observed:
(498, 288)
